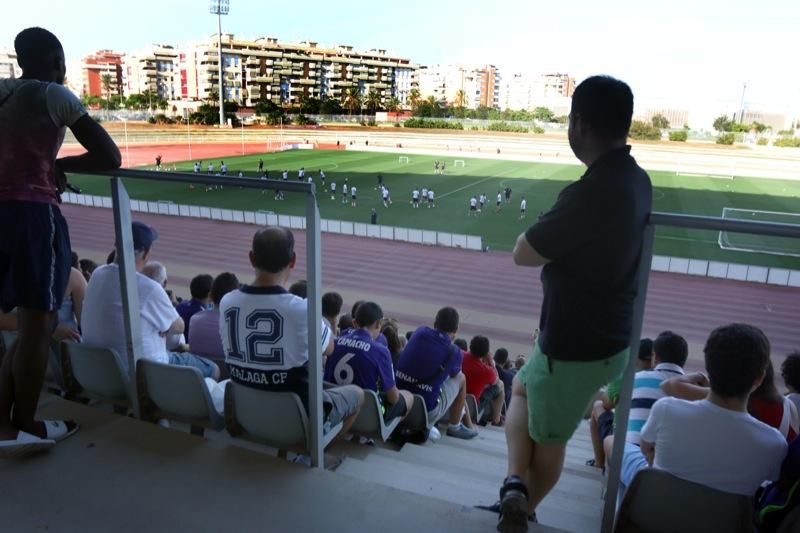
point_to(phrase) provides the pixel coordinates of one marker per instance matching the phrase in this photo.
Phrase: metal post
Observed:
(242, 137)
(221, 81)
(626, 390)
(188, 133)
(314, 277)
(127, 154)
(128, 285)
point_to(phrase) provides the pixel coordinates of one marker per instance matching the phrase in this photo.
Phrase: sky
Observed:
(678, 53)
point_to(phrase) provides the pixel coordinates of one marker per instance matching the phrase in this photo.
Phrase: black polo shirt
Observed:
(593, 238)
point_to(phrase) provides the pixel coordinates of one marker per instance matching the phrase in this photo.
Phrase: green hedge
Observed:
(726, 138)
(432, 124)
(787, 142)
(678, 136)
(505, 126)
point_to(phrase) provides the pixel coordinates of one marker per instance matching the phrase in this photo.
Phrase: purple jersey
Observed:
(359, 360)
(429, 358)
(187, 310)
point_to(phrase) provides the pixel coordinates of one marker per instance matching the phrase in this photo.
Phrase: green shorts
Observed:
(559, 392)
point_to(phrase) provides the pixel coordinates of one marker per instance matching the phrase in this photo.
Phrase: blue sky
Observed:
(686, 51)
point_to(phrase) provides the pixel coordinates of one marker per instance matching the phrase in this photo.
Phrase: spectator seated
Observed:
(103, 324)
(430, 366)
(358, 359)
(204, 339)
(483, 381)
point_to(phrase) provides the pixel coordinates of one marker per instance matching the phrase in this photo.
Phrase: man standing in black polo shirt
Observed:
(589, 243)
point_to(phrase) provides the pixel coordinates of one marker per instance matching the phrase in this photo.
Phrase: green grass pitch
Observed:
(539, 182)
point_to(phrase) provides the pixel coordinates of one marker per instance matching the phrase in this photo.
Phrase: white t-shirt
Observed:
(264, 333)
(385, 193)
(424, 192)
(430, 195)
(102, 318)
(333, 186)
(523, 205)
(63, 106)
(415, 194)
(344, 188)
(353, 190)
(702, 442)
(472, 202)
(483, 198)
(499, 198)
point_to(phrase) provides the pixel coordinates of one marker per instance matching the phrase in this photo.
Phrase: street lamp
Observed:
(219, 8)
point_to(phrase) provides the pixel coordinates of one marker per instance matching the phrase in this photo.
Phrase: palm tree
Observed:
(414, 98)
(105, 81)
(351, 99)
(461, 98)
(373, 101)
(392, 104)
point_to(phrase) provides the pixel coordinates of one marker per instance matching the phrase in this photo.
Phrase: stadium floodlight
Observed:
(219, 8)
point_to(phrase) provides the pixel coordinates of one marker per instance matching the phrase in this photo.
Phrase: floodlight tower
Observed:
(219, 8)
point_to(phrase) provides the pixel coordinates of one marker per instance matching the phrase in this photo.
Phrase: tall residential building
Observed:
(8, 65)
(467, 86)
(555, 85)
(104, 66)
(517, 91)
(524, 90)
(677, 117)
(155, 69)
(285, 72)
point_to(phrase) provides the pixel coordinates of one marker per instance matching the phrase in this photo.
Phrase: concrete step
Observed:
(557, 511)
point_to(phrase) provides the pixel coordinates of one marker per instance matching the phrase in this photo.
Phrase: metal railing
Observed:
(771, 229)
(124, 240)
(130, 294)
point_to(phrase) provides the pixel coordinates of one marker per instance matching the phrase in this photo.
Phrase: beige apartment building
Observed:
(156, 69)
(460, 85)
(266, 68)
(8, 64)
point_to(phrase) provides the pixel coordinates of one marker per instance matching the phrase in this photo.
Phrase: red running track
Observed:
(494, 297)
(137, 155)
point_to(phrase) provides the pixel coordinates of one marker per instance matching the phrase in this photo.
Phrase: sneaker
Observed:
(434, 435)
(461, 432)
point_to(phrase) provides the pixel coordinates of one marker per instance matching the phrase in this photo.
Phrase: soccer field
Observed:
(540, 183)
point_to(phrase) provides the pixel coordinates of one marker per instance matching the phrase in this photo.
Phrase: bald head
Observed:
(273, 249)
(40, 55)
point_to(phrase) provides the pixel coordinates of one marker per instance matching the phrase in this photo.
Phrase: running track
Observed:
(494, 297)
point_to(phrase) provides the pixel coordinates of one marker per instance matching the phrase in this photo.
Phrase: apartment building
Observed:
(104, 66)
(284, 73)
(557, 85)
(460, 85)
(155, 69)
(8, 64)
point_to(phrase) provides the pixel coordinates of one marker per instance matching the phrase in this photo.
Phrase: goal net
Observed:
(743, 242)
(403, 159)
(459, 163)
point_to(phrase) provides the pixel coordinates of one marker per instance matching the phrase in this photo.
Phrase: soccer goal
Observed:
(403, 159)
(459, 163)
(741, 242)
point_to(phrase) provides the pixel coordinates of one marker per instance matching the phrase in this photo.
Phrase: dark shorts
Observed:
(605, 425)
(35, 256)
(488, 395)
(472, 208)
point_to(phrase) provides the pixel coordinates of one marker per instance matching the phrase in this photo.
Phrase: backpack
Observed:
(775, 501)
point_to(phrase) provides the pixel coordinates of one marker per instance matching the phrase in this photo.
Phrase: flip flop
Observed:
(24, 444)
(58, 430)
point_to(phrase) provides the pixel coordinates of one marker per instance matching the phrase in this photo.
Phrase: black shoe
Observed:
(513, 506)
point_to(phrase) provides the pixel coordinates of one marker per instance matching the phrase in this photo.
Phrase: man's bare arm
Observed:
(526, 255)
(690, 387)
(101, 152)
(648, 450)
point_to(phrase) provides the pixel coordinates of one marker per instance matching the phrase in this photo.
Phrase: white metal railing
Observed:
(121, 203)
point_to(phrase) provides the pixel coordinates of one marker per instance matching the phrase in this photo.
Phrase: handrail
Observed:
(771, 229)
(203, 178)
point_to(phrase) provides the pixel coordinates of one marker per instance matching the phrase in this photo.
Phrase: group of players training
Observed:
(424, 195)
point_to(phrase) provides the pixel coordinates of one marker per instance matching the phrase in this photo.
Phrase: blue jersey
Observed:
(429, 358)
(359, 360)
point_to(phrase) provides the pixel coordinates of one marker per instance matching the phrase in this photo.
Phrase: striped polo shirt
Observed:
(646, 391)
